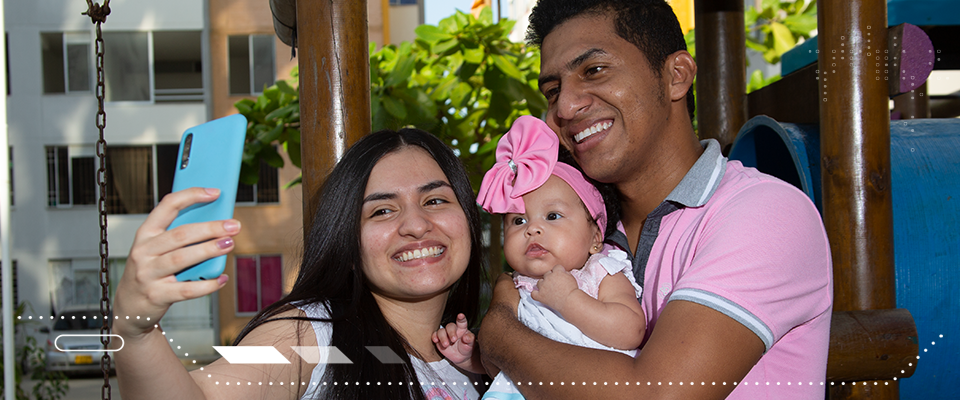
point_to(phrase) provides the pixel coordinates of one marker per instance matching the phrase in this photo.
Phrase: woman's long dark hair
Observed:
(331, 272)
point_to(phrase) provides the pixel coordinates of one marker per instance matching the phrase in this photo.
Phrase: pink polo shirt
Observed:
(753, 248)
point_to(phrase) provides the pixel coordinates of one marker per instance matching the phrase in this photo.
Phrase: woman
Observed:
(393, 252)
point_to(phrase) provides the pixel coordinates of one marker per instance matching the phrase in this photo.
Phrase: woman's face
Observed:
(414, 236)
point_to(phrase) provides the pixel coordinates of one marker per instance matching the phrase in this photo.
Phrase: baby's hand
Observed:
(455, 341)
(555, 288)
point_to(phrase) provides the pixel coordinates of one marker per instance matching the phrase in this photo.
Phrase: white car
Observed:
(74, 343)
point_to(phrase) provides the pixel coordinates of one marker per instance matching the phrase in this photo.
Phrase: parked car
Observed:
(73, 345)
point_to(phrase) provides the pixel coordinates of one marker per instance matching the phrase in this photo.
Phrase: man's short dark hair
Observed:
(650, 25)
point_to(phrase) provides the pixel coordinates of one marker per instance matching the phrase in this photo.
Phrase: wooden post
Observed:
(855, 163)
(334, 87)
(721, 55)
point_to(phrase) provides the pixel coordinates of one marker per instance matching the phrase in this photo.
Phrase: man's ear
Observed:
(682, 69)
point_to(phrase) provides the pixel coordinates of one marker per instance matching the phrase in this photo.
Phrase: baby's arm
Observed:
(458, 345)
(613, 319)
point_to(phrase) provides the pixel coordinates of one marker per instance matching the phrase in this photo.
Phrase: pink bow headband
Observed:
(526, 157)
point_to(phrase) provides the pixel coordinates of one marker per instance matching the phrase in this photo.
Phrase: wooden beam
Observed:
(855, 162)
(872, 345)
(334, 87)
(721, 55)
(792, 99)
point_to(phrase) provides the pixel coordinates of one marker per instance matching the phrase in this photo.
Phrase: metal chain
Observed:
(98, 15)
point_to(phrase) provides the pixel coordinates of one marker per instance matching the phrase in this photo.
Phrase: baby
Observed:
(573, 289)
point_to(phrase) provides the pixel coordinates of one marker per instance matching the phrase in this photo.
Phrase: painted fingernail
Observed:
(225, 243)
(231, 225)
(222, 279)
(212, 191)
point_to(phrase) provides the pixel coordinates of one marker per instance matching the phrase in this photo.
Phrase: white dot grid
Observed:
(932, 343)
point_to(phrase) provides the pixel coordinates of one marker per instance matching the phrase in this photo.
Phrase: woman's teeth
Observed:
(420, 253)
(591, 130)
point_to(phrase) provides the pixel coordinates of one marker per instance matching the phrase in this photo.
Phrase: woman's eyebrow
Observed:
(433, 186)
(422, 189)
(379, 196)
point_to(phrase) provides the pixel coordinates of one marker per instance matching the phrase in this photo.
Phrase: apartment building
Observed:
(169, 66)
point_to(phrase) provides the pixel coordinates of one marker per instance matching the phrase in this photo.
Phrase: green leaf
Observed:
(282, 112)
(293, 151)
(296, 181)
(401, 73)
(802, 24)
(782, 38)
(459, 94)
(506, 66)
(244, 106)
(249, 173)
(286, 88)
(270, 155)
(394, 107)
(474, 56)
(444, 46)
(268, 136)
(431, 33)
(486, 16)
(759, 47)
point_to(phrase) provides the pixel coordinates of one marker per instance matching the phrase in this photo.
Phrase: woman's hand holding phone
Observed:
(148, 286)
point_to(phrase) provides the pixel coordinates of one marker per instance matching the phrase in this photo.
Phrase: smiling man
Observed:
(734, 264)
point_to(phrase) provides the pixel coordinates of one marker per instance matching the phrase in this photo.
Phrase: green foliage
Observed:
(773, 30)
(274, 117)
(30, 356)
(462, 80)
(778, 25)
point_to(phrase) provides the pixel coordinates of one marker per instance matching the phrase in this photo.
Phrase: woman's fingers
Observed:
(163, 214)
(179, 259)
(212, 239)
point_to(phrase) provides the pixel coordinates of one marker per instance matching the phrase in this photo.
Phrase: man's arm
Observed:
(691, 353)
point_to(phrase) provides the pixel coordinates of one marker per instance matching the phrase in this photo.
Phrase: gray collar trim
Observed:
(702, 179)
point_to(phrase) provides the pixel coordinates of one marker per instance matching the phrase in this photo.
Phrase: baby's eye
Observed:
(519, 220)
(553, 216)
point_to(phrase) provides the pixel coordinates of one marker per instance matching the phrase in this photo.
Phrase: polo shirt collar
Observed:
(702, 180)
(694, 190)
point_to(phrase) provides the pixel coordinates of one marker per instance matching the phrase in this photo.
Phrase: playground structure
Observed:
(873, 343)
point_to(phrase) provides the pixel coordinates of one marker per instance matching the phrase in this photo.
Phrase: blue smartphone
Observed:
(209, 157)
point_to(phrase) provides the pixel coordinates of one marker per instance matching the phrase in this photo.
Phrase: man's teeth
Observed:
(420, 253)
(591, 130)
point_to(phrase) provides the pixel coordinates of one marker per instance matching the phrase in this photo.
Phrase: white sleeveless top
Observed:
(440, 380)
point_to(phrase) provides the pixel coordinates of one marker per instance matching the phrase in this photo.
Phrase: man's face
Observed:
(605, 102)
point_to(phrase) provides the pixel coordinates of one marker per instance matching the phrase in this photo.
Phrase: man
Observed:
(734, 264)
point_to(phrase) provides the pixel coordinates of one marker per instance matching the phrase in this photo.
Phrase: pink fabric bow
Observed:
(526, 157)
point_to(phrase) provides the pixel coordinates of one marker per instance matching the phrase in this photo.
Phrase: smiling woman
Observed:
(393, 252)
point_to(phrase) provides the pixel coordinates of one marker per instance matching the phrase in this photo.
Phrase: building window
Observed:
(161, 66)
(135, 183)
(75, 282)
(127, 69)
(177, 66)
(404, 2)
(13, 274)
(251, 63)
(259, 282)
(71, 178)
(66, 61)
(266, 190)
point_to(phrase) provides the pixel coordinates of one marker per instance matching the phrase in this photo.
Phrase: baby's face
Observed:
(555, 230)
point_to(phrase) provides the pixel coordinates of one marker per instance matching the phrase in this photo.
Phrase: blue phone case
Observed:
(213, 161)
